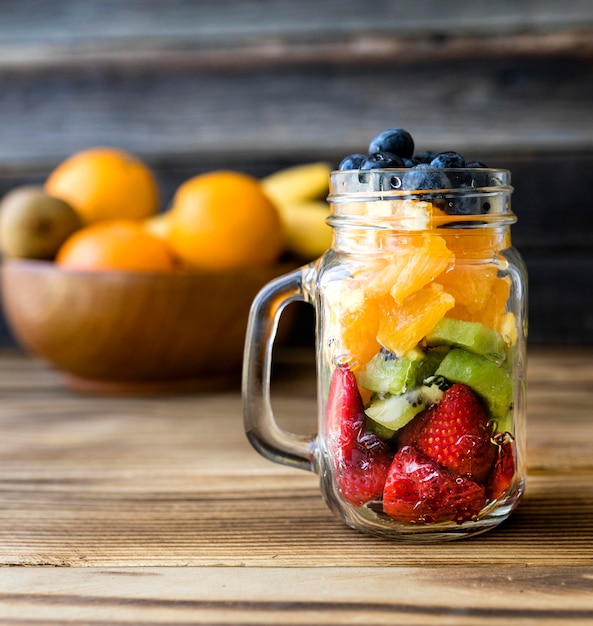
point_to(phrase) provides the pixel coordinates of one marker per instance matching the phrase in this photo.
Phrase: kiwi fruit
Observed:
(387, 373)
(392, 412)
(492, 383)
(33, 224)
(472, 336)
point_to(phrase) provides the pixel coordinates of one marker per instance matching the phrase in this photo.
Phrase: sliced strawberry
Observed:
(458, 435)
(503, 471)
(345, 409)
(418, 490)
(408, 435)
(362, 459)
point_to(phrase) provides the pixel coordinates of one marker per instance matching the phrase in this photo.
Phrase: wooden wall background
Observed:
(256, 85)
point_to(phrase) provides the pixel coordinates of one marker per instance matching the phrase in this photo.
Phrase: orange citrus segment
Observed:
(480, 294)
(105, 183)
(360, 331)
(413, 265)
(116, 245)
(475, 243)
(403, 326)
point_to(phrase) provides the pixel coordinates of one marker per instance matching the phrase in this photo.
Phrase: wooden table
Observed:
(155, 510)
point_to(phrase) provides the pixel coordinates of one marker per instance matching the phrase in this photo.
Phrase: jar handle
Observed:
(261, 428)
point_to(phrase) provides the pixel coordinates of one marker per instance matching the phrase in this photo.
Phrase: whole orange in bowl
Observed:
(223, 220)
(116, 245)
(105, 183)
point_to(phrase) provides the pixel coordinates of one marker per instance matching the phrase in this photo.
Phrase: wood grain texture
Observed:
(156, 510)
(301, 110)
(169, 481)
(85, 323)
(264, 80)
(354, 595)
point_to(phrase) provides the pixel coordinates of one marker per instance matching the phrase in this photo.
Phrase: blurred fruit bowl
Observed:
(112, 331)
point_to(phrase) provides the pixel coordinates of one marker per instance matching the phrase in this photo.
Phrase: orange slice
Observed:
(403, 326)
(413, 265)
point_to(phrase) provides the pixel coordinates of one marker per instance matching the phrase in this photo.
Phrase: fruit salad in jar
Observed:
(423, 325)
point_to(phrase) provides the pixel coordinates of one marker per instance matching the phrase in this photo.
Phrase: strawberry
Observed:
(418, 490)
(458, 435)
(503, 471)
(362, 458)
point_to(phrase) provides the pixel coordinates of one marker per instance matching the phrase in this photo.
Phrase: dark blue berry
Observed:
(352, 161)
(446, 160)
(474, 164)
(410, 162)
(395, 140)
(464, 205)
(423, 176)
(380, 160)
(425, 156)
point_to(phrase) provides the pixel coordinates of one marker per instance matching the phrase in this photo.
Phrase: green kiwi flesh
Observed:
(472, 336)
(492, 383)
(392, 412)
(386, 373)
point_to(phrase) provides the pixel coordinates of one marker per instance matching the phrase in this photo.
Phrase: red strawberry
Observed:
(362, 458)
(458, 435)
(418, 490)
(503, 471)
(409, 434)
(345, 409)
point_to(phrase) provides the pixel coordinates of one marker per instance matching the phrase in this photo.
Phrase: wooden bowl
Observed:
(132, 332)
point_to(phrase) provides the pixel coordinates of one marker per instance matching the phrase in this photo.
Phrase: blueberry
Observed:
(352, 161)
(474, 164)
(395, 140)
(379, 160)
(464, 205)
(425, 156)
(459, 206)
(445, 160)
(410, 162)
(423, 176)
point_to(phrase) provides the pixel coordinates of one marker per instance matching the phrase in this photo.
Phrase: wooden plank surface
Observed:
(155, 510)
(262, 80)
(172, 481)
(526, 596)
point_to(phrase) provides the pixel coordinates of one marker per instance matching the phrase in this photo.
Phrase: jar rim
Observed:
(353, 185)
(481, 196)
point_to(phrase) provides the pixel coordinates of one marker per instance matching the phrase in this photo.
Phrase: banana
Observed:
(309, 181)
(298, 193)
(305, 230)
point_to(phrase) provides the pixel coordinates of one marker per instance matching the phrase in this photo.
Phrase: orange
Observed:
(360, 328)
(475, 243)
(414, 264)
(403, 326)
(116, 245)
(105, 183)
(223, 220)
(480, 294)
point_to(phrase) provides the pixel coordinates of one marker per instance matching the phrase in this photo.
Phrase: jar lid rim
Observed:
(356, 185)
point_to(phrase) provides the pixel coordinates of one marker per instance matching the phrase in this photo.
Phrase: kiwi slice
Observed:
(492, 383)
(472, 336)
(378, 429)
(393, 412)
(387, 373)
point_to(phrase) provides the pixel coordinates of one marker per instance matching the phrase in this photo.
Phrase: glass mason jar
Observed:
(421, 322)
